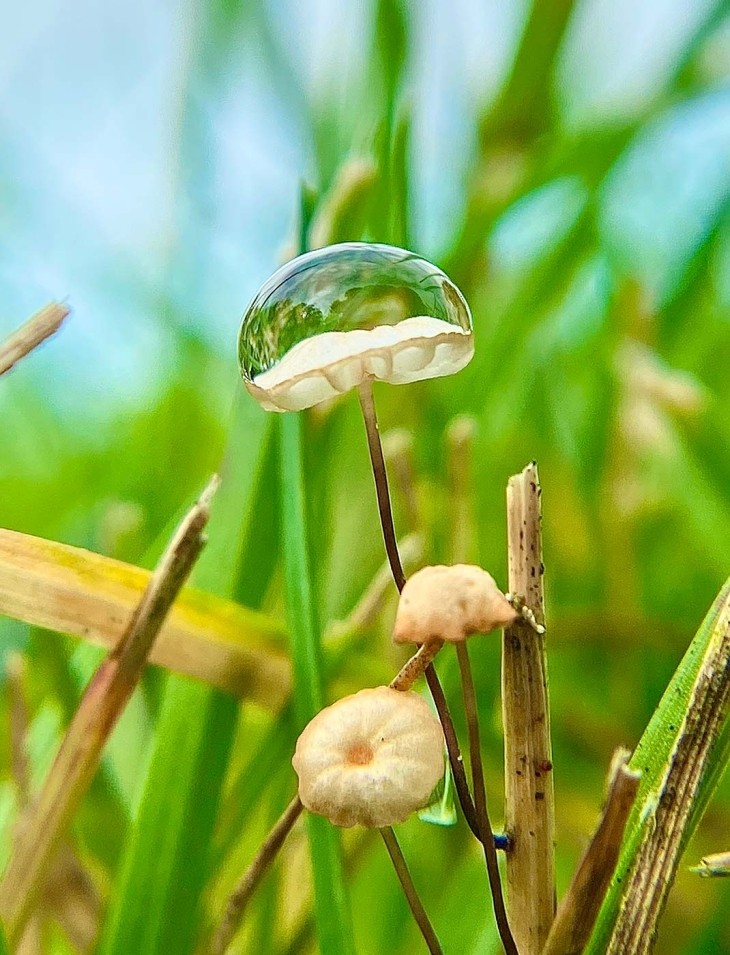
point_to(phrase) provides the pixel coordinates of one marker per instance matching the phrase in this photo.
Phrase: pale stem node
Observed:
(416, 665)
(529, 800)
(581, 904)
(714, 866)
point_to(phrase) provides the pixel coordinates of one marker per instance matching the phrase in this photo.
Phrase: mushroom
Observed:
(370, 759)
(339, 318)
(450, 604)
(331, 319)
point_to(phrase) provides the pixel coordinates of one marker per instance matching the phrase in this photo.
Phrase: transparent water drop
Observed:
(331, 318)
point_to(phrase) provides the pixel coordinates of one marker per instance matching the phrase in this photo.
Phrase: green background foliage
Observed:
(568, 165)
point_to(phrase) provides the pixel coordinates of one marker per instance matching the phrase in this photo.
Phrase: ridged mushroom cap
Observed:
(330, 319)
(450, 604)
(370, 759)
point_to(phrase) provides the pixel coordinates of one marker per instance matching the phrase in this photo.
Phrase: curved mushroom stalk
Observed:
(344, 316)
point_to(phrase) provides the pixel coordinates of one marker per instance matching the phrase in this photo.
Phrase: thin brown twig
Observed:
(31, 334)
(452, 747)
(101, 706)
(580, 905)
(529, 805)
(480, 800)
(68, 890)
(365, 393)
(409, 889)
(241, 895)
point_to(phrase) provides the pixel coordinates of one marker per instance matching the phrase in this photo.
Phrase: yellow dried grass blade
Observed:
(76, 591)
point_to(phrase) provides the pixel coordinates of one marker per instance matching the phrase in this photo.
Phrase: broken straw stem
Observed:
(529, 807)
(581, 904)
(101, 706)
(29, 336)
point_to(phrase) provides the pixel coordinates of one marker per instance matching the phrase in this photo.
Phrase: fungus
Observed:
(340, 318)
(450, 604)
(331, 319)
(370, 759)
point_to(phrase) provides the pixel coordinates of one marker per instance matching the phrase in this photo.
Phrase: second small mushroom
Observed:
(450, 604)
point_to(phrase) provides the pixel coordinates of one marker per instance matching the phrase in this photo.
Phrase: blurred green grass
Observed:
(592, 244)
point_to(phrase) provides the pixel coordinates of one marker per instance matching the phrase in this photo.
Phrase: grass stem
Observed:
(241, 895)
(101, 706)
(580, 905)
(409, 889)
(529, 806)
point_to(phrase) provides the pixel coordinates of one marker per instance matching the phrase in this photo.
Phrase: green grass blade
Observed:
(665, 742)
(165, 868)
(4, 950)
(331, 904)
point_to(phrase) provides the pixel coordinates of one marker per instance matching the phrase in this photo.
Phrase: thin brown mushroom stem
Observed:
(365, 393)
(252, 876)
(452, 748)
(409, 890)
(480, 800)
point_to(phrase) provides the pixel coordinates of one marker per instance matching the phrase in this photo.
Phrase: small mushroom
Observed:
(331, 319)
(449, 604)
(370, 759)
(341, 317)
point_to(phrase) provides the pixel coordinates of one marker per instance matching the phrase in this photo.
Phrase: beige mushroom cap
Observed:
(331, 363)
(450, 603)
(370, 759)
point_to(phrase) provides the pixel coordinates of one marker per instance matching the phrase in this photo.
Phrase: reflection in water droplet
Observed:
(325, 321)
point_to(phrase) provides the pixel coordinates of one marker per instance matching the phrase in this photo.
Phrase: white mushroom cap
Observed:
(450, 603)
(370, 759)
(332, 363)
(332, 318)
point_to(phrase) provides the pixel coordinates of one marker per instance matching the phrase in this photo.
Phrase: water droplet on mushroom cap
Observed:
(329, 319)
